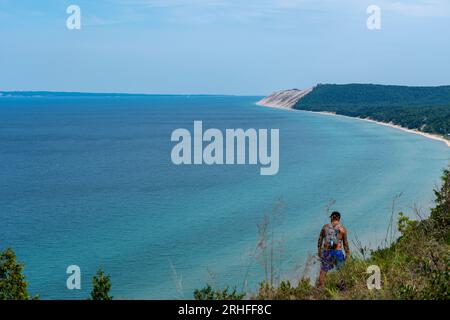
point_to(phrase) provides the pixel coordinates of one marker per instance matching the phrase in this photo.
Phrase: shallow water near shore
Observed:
(89, 181)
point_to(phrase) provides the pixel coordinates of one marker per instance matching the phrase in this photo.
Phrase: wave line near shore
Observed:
(390, 125)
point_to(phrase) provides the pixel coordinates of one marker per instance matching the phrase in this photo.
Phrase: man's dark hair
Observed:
(335, 215)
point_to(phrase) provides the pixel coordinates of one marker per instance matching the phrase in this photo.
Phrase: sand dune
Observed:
(285, 99)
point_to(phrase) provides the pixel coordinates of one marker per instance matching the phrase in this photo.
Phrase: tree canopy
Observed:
(423, 108)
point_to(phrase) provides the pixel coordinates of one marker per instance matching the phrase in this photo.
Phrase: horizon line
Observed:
(93, 93)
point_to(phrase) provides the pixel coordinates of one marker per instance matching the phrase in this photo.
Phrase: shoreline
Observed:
(435, 137)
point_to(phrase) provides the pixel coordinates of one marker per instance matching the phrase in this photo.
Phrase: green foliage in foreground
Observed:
(423, 108)
(101, 285)
(208, 293)
(12, 281)
(14, 287)
(416, 266)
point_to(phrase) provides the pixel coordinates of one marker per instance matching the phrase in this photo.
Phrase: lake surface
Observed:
(89, 181)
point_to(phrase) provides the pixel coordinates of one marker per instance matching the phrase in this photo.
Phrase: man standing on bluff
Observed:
(332, 237)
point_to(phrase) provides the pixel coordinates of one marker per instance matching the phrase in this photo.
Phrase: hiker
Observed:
(332, 237)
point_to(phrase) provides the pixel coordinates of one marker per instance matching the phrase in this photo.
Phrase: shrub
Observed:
(208, 293)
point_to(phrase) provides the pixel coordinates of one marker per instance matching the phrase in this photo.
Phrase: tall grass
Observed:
(414, 260)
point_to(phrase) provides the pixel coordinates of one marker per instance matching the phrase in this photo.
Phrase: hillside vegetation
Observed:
(423, 108)
(414, 266)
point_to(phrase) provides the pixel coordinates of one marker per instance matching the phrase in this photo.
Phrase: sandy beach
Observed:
(390, 125)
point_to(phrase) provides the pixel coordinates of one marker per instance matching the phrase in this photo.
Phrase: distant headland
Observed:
(418, 110)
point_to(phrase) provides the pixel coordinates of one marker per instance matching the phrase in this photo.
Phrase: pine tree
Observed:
(12, 281)
(101, 286)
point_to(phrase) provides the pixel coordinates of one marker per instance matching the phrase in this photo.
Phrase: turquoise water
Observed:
(89, 181)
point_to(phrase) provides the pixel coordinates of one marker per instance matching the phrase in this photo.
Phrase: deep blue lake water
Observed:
(89, 181)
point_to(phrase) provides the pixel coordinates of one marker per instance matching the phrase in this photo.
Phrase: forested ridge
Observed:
(424, 108)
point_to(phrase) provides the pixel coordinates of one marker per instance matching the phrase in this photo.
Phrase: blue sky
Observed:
(249, 47)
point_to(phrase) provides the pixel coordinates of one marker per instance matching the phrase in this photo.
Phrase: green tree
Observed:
(440, 215)
(101, 285)
(12, 281)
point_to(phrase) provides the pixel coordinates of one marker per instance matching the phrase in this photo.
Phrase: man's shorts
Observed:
(331, 259)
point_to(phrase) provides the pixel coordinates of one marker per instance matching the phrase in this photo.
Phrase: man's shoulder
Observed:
(343, 229)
